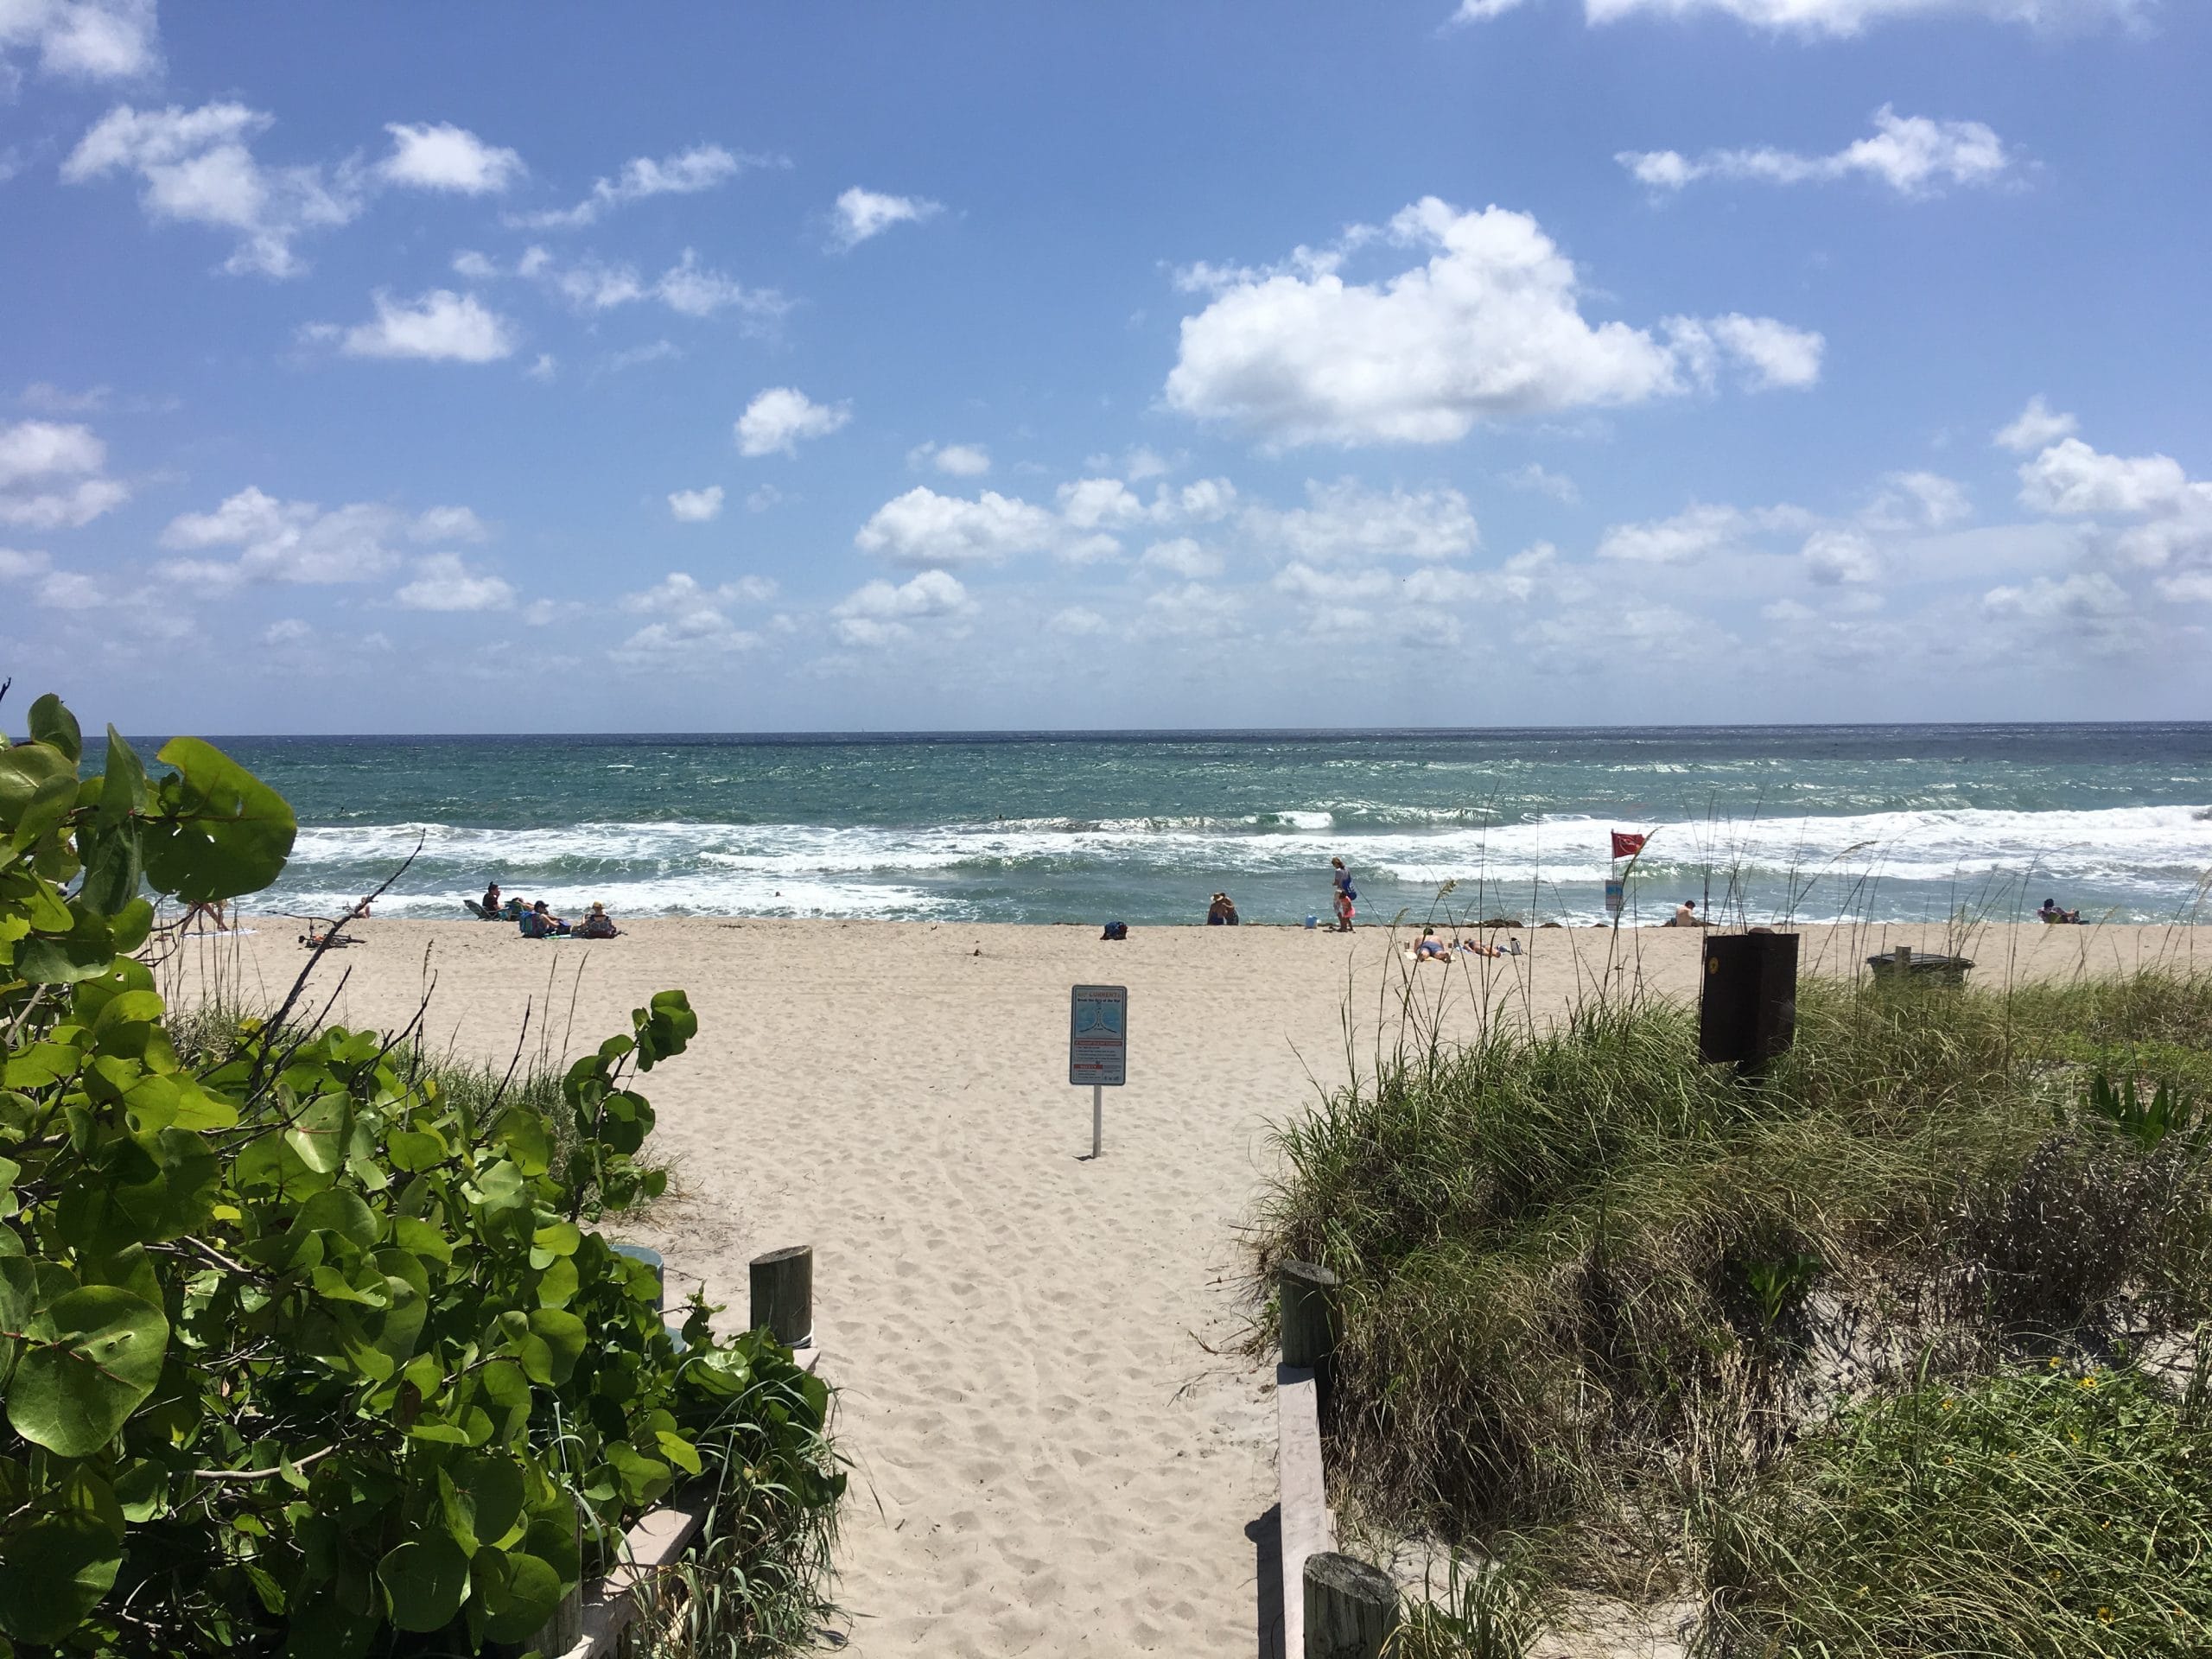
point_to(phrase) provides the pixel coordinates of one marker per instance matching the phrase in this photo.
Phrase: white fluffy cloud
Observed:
(776, 420)
(924, 528)
(1490, 327)
(51, 476)
(448, 158)
(2035, 426)
(196, 168)
(439, 327)
(686, 173)
(79, 40)
(1769, 355)
(18, 566)
(1344, 521)
(443, 583)
(1927, 500)
(1840, 556)
(955, 460)
(1910, 154)
(695, 506)
(2070, 477)
(1182, 556)
(881, 614)
(860, 214)
(1536, 477)
(297, 541)
(693, 623)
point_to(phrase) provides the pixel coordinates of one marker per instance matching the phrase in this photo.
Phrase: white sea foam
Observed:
(2151, 857)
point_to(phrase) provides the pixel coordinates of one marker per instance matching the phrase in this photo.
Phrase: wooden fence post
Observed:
(1351, 1609)
(783, 1295)
(1308, 1295)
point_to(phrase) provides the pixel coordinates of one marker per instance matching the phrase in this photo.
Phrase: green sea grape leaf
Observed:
(563, 1333)
(50, 723)
(520, 1593)
(123, 785)
(89, 1361)
(54, 1573)
(215, 830)
(426, 1577)
(24, 770)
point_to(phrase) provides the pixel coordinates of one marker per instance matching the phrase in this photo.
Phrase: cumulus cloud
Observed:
(438, 326)
(589, 284)
(956, 460)
(297, 542)
(448, 158)
(79, 40)
(924, 528)
(1346, 521)
(443, 583)
(693, 619)
(686, 173)
(2036, 425)
(51, 476)
(695, 506)
(196, 167)
(2070, 477)
(1912, 155)
(18, 566)
(860, 214)
(1490, 327)
(776, 420)
(1840, 556)
(1768, 355)
(879, 613)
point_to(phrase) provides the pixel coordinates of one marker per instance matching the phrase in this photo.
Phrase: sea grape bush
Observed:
(301, 1352)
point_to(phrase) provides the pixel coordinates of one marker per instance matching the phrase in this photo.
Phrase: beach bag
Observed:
(1115, 930)
(1351, 892)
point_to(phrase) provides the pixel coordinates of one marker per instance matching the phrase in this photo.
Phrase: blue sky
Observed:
(963, 365)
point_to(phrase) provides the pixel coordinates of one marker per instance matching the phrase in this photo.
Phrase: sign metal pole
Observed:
(1098, 1048)
(1097, 1115)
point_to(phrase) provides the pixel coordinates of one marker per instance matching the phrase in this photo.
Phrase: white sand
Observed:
(1048, 1459)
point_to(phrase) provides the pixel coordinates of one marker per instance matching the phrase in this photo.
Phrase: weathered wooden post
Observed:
(1351, 1609)
(1747, 1011)
(1310, 1297)
(783, 1295)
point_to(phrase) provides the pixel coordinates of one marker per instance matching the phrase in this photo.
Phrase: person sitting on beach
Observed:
(539, 921)
(512, 911)
(1686, 915)
(1222, 912)
(597, 924)
(491, 905)
(2051, 913)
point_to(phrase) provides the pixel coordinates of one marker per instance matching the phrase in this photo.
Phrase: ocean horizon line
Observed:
(1194, 734)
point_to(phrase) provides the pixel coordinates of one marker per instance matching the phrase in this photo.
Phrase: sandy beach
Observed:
(1049, 1458)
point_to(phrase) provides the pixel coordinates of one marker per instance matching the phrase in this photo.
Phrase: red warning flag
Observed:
(1626, 845)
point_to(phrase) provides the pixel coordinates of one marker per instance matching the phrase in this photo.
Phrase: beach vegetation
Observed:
(308, 1345)
(1604, 1302)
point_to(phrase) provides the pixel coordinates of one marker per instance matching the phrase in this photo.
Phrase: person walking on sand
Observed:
(1340, 879)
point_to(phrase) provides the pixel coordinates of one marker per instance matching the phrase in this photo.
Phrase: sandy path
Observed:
(1048, 1460)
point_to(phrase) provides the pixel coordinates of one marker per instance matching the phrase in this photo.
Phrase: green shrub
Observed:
(303, 1351)
(1587, 1278)
(2035, 1513)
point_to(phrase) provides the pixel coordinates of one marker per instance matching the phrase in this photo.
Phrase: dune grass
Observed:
(1592, 1286)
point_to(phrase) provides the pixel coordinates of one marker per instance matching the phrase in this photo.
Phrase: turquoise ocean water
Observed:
(1882, 822)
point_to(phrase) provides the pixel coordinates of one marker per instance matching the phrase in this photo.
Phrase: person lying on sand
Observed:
(1476, 948)
(1431, 949)
(2051, 913)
